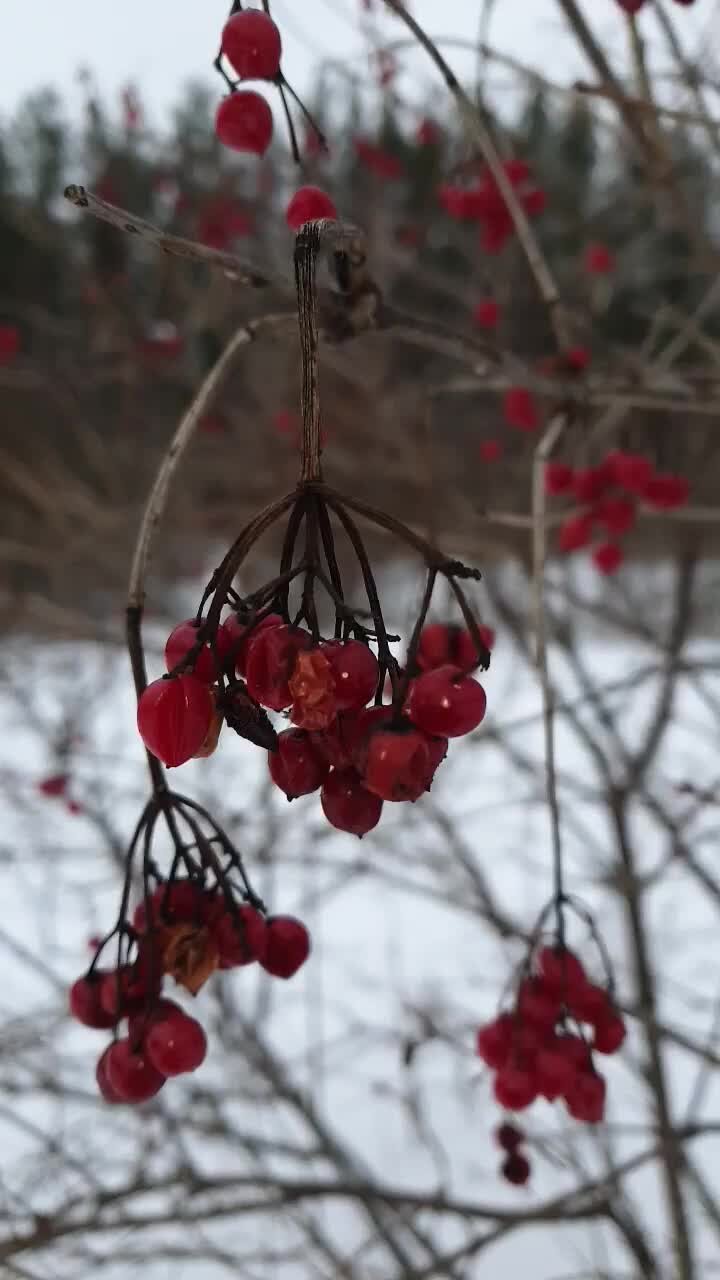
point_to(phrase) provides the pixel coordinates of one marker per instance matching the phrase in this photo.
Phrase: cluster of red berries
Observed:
(515, 1168)
(533, 1049)
(609, 495)
(483, 203)
(185, 931)
(359, 755)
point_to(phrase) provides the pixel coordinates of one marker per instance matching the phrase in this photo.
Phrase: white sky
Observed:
(160, 44)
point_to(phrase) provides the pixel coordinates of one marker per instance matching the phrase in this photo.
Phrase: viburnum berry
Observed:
(55, 785)
(599, 261)
(590, 483)
(558, 478)
(180, 642)
(631, 470)
(288, 946)
(127, 990)
(174, 716)
(616, 514)
(270, 663)
(240, 941)
(585, 1097)
(107, 1092)
(441, 644)
(235, 637)
(446, 703)
(333, 745)
(538, 1002)
(575, 533)
(251, 43)
(397, 765)
(307, 205)
(161, 1010)
(355, 671)
(130, 1074)
(176, 1045)
(486, 313)
(297, 768)
(589, 1003)
(85, 1003)
(494, 1041)
(561, 970)
(490, 450)
(348, 805)
(520, 410)
(515, 1088)
(666, 491)
(575, 359)
(555, 1070)
(607, 557)
(516, 1169)
(609, 1034)
(177, 902)
(244, 122)
(508, 1137)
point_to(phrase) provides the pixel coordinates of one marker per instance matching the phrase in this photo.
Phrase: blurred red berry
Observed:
(590, 483)
(599, 261)
(609, 1034)
(520, 410)
(486, 313)
(494, 1041)
(85, 1002)
(561, 970)
(442, 644)
(9, 343)
(516, 1169)
(130, 1075)
(251, 43)
(508, 1136)
(175, 1045)
(575, 533)
(616, 514)
(244, 122)
(608, 557)
(288, 946)
(54, 786)
(490, 450)
(515, 1088)
(666, 491)
(585, 1097)
(307, 205)
(558, 478)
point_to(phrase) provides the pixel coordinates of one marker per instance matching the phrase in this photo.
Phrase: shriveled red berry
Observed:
(494, 1040)
(174, 716)
(575, 533)
(312, 686)
(251, 43)
(520, 409)
(558, 478)
(85, 1003)
(561, 970)
(244, 122)
(296, 767)
(516, 1169)
(176, 1045)
(307, 205)
(442, 644)
(515, 1088)
(397, 766)
(240, 941)
(585, 1098)
(445, 703)
(130, 1074)
(355, 670)
(508, 1136)
(180, 642)
(607, 557)
(270, 664)
(288, 946)
(107, 1092)
(609, 1034)
(348, 805)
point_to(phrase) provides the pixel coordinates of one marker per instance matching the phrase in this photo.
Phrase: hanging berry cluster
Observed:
(609, 495)
(484, 203)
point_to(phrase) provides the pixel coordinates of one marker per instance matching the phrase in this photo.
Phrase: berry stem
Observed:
(307, 244)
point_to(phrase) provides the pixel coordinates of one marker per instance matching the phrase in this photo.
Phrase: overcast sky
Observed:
(162, 43)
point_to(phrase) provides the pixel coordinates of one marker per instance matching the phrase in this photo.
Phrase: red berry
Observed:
(333, 744)
(520, 410)
(244, 122)
(241, 943)
(307, 205)
(609, 1034)
(589, 1003)
(514, 1088)
(558, 478)
(631, 471)
(575, 533)
(180, 902)
(347, 805)
(516, 1169)
(445, 703)
(131, 1075)
(508, 1136)
(575, 1050)
(174, 716)
(180, 642)
(235, 637)
(428, 132)
(296, 767)
(666, 491)
(585, 1099)
(397, 765)
(538, 1003)
(107, 1092)
(598, 258)
(555, 1070)
(356, 672)
(631, 6)
(161, 1011)
(175, 1045)
(270, 664)
(56, 784)
(608, 557)
(288, 946)
(486, 313)
(576, 359)
(494, 1041)
(442, 645)
(616, 514)
(590, 483)
(85, 1003)
(561, 970)
(129, 989)
(251, 43)
(490, 450)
